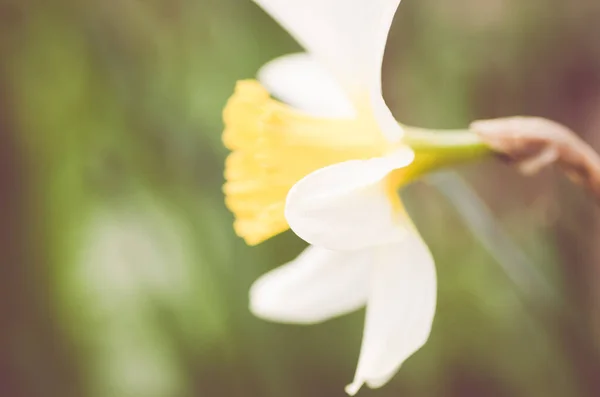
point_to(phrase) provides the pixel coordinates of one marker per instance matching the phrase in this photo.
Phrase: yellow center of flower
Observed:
(274, 146)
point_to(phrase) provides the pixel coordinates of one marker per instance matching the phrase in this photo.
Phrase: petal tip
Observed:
(353, 388)
(268, 301)
(259, 301)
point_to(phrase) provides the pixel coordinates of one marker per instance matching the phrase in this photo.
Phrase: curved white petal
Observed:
(317, 285)
(348, 38)
(400, 311)
(300, 81)
(346, 206)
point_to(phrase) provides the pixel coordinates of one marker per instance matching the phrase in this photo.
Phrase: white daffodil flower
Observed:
(328, 163)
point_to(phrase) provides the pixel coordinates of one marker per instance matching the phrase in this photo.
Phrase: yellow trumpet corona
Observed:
(274, 146)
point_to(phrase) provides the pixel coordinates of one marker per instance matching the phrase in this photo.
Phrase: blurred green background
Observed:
(121, 275)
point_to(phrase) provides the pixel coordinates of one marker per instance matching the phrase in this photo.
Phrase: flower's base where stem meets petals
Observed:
(436, 149)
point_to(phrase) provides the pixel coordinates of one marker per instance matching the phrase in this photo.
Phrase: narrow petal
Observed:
(400, 311)
(348, 38)
(303, 83)
(316, 286)
(346, 206)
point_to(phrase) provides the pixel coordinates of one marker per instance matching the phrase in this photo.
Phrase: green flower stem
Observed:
(439, 149)
(443, 148)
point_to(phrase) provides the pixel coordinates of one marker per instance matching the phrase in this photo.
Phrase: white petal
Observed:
(345, 206)
(317, 285)
(348, 38)
(400, 311)
(302, 82)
